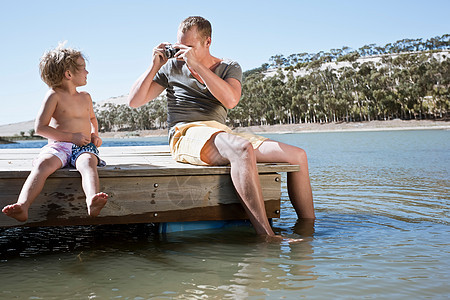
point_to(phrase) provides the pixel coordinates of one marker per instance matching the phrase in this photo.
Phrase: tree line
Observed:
(409, 79)
(348, 54)
(152, 115)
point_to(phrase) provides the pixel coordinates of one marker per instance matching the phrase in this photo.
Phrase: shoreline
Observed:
(13, 130)
(307, 128)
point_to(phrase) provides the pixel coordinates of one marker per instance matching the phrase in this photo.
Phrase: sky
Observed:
(117, 37)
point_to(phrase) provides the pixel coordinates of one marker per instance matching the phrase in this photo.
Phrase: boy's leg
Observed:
(86, 164)
(298, 183)
(224, 148)
(44, 167)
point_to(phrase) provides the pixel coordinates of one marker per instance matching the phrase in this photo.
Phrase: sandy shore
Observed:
(298, 128)
(15, 129)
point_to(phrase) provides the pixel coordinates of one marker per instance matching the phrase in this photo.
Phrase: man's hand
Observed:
(188, 54)
(159, 58)
(96, 140)
(144, 89)
(80, 139)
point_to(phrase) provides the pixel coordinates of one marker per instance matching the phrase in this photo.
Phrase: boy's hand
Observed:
(96, 140)
(80, 139)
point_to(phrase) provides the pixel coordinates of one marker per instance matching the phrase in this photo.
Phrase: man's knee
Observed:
(300, 156)
(233, 147)
(242, 150)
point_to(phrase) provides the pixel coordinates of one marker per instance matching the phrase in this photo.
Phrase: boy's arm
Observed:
(44, 117)
(145, 89)
(95, 139)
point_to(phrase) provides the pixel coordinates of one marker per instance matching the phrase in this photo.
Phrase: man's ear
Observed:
(68, 75)
(208, 41)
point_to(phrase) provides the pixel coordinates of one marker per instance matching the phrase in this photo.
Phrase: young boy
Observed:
(67, 120)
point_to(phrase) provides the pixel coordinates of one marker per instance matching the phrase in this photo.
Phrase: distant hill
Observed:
(335, 65)
(114, 100)
(16, 128)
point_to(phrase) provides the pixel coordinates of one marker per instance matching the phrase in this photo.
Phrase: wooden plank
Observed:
(144, 184)
(140, 199)
(131, 161)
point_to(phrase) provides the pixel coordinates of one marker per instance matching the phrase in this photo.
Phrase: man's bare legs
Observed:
(298, 183)
(44, 167)
(224, 148)
(86, 164)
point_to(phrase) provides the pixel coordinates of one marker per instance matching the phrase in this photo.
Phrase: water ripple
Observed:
(382, 231)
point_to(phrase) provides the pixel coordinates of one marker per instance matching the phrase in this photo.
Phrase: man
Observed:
(200, 88)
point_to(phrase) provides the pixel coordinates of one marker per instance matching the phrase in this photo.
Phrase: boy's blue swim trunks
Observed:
(90, 148)
(68, 152)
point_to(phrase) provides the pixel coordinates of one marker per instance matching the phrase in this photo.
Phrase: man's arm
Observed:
(227, 91)
(145, 89)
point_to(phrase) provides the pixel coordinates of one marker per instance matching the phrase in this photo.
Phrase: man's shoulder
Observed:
(229, 69)
(229, 63)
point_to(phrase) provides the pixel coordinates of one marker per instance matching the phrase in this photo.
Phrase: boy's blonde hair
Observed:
(56, 62)
(204, 27)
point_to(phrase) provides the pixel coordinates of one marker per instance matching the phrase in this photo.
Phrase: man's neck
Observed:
(211, 62)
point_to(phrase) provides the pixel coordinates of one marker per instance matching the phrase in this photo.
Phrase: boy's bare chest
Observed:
(76, 108)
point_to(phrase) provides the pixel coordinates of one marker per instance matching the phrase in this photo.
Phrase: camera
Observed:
(170, 51)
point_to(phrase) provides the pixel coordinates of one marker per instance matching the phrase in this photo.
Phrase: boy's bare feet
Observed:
(16, 211)
(96, 204)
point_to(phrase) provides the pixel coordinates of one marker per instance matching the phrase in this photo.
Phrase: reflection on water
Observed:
(382, 231)
(134, 261)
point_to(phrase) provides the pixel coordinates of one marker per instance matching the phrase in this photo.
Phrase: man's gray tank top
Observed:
(189, 100)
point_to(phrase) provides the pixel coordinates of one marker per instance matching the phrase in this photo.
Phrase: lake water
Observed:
(382, 231)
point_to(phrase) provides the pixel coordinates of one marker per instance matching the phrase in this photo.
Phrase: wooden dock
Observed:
(144, 185)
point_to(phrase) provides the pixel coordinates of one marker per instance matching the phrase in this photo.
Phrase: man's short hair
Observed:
(56, 62)
(204, 28)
